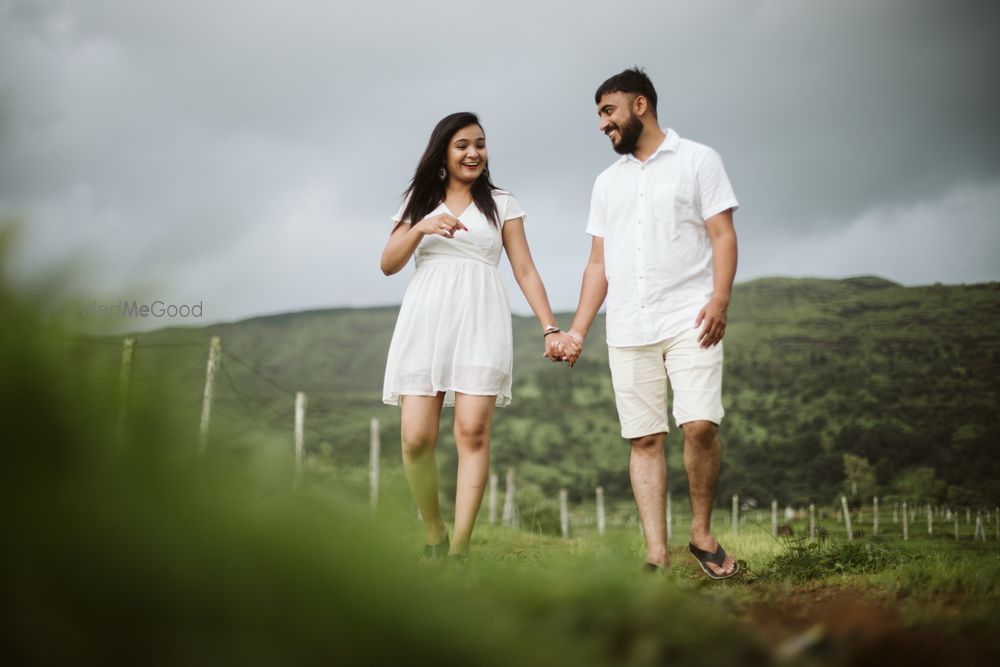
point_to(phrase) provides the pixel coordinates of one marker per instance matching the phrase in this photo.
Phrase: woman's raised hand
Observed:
(443, 224)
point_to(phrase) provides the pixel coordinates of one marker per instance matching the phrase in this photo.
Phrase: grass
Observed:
(130, 548)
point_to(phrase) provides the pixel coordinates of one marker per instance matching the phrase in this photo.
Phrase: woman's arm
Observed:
(406, 237)
(516, 244)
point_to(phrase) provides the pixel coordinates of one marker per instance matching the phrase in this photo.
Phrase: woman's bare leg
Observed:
(420, 423)
(473, 419)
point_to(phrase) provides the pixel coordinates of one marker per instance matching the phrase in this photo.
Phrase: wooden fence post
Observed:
(875, 515)
(670, 518)
(128, 350)
(736, 514)
(906, 524)
(895, 512)
(375, 453)
(600, 510)
(847, 518)
(300, 417)
(214, 352)
(509, 507)
(930, 521)
(812, 521)
(956, 527)
(564, 513)
(774, 518)
(492, 502)
(980, 531)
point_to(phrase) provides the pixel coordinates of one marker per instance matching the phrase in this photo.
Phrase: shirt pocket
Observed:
(673, 201)
(675, 209)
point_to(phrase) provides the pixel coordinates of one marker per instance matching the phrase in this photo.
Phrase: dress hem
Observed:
(503, 400)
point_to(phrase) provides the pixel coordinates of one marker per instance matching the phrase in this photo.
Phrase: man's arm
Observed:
(713, 315)
(593, 291)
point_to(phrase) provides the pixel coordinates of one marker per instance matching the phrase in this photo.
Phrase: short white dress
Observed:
(454, 327)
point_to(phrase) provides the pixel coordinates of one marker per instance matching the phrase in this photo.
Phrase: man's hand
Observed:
(577, 342)
(713, 315)
(561, 347)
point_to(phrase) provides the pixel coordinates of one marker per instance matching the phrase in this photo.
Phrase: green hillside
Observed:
(903, 377)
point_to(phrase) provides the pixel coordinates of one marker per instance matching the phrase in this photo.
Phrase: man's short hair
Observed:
(631, 81)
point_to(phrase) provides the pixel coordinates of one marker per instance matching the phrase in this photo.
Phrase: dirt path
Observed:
(835, 625)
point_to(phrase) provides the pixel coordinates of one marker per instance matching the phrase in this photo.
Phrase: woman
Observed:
(453, 344)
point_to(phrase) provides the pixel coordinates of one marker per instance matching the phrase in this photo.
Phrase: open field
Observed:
(124, 543)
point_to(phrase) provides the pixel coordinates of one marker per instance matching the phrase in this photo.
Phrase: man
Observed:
(664, 256)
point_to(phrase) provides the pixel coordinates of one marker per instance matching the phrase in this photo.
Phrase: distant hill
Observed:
(905, 377)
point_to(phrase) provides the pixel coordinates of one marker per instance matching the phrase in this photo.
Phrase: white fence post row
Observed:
(373, 465)
(875, 515)
(847, 518)
(214, 351)
(300, 417)
(128, 349)
(599, 493)
(736, 514)
(774, 518)
(564, 513)
(980, 531)
(930, 521)
(509, 508)
(492, 501)
(906, 524)
(812, 521)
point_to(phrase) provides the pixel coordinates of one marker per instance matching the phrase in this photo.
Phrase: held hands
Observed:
(443, 224)
(564, 346)
(714, 317)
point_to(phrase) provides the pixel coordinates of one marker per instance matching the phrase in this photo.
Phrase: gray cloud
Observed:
(251, 153)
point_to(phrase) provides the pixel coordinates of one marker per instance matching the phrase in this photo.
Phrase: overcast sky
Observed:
(248, 154)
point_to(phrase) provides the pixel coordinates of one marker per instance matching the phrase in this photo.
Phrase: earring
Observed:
(442, 173)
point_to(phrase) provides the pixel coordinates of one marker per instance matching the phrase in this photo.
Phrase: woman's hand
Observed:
(562, 347)
(442, 224)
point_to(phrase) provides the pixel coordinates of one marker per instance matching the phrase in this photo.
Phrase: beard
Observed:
(628, 135)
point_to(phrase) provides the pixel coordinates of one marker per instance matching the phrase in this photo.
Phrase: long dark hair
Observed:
(427, 189)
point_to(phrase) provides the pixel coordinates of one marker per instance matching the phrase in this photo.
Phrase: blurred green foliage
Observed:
(905, 378)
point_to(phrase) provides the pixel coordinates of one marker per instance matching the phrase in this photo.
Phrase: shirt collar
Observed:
(669, 144)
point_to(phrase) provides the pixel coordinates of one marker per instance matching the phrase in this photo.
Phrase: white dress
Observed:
(454, 327)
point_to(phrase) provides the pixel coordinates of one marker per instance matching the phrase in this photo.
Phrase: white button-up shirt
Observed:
(657, 252)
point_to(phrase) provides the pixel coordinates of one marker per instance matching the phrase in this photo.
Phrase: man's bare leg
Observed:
(702, 459)
(647, 469)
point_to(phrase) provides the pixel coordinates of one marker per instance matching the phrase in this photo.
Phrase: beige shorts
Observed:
(640, 376)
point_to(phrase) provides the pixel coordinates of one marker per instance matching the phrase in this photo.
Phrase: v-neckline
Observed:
(464, 211)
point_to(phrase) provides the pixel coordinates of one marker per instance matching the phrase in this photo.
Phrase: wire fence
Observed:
(908, 519)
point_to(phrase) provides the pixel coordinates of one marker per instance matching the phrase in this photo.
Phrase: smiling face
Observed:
(618, 121)
(466, 158)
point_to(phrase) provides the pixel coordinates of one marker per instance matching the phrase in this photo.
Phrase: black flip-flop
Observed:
(717, 558)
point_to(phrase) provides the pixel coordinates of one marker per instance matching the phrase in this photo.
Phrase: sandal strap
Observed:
(717, 558)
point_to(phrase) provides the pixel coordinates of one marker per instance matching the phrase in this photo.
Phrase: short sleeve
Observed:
(715, 192)
(598, 209)
(511, 209)
(396, 219)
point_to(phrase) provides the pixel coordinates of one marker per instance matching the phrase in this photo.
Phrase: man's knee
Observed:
(648, 443)
(700, 433)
